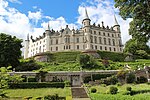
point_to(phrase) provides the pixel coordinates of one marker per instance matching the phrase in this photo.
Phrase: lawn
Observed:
(102, 90)
(40, 92)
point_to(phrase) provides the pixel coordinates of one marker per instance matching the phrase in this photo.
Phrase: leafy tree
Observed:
(9, 50)
(139, 10)
(137, 48)
(86, 61)
(5, 79)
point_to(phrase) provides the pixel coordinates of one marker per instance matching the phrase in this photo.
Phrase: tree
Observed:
(137, 48)
(139, 10)
(6, 78)
(9, 50)
(86, 61)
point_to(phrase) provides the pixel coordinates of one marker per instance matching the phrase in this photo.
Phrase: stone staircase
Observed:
(79, 93)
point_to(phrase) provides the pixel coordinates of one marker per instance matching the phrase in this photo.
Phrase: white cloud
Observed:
(16, 23)
(35, 16)
(15, 1)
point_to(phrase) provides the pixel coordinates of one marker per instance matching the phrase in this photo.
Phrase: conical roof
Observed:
(116, 22)
(86, 14)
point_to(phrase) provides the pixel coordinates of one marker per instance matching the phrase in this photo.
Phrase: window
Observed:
(51, 48)
(94, 32)
(40, 49)
(101, 48)
(51, 41)
(56, 48)
(99, 33)
(85, 30)
(109, 41)
(112, 35)
(113, 42)
(118, 35)
(69, 46)
(119, 42)
(104, 33)
(109, 48)
(105, 48)
(77, 46)
(64, 47)
(40, 42)
(91, 39)
(120, 49)
(77, 40)
(67, 39)
(95, 39)
(108, 34)
(96, 47)
(104, 41)
(56, 41)
(114, 49)
(100, 40)
(92, 47)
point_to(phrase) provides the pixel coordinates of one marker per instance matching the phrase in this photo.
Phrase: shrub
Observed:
(93, 90)
(113, 90)
(128, 88)
(54, 97)
(37, 85)
(142, 79)
(67, 84)
(130, 78)
(119, 84)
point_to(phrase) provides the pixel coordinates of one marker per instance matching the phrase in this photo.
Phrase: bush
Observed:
(37, 85)
(130, 78)
(93, 90)
(141, 79)
(113, 90)
(128, 88)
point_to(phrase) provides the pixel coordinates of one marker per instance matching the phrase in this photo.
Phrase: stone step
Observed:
(79, 92)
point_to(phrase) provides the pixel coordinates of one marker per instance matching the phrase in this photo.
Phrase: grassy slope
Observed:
(101, 93)
(41, 92)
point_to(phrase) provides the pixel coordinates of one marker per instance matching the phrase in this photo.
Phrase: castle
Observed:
(88, 37)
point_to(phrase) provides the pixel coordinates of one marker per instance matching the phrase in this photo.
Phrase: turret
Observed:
(116, 26)
(26, 47)
(47, 31)
(86, 20)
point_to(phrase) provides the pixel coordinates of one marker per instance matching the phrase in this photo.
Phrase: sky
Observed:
(22, 17)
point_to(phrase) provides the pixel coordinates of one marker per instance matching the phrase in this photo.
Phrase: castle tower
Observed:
(47, 31)
(26, 47)
(116, 26)
(86, 28)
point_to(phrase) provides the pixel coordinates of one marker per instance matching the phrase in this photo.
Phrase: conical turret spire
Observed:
(116, 23)
(28, 36)
(48, 27)
(86, 14)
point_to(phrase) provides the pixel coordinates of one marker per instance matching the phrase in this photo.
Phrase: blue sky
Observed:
(20, 17)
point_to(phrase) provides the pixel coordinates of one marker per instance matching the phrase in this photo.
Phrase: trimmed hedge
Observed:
(114, 56)
(37, 85)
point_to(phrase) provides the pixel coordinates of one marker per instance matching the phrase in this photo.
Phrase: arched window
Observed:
(100, 40)
(56, 41)
(91, 39)
(95, 39)
(109, 41)
(113, 40)
(104, 41)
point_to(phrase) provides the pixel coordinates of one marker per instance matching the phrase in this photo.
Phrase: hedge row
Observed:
(37, 85)
(114, 56)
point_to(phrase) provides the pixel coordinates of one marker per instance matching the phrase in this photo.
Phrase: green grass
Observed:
(41, 92)
(103, 90)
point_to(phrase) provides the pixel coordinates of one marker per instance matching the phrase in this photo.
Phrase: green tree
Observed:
(6, 78)
(86, 61)
(139, 10)
(9, 50)
(137, 48)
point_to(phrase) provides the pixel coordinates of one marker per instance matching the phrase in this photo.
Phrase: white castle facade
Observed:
(88, 37)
